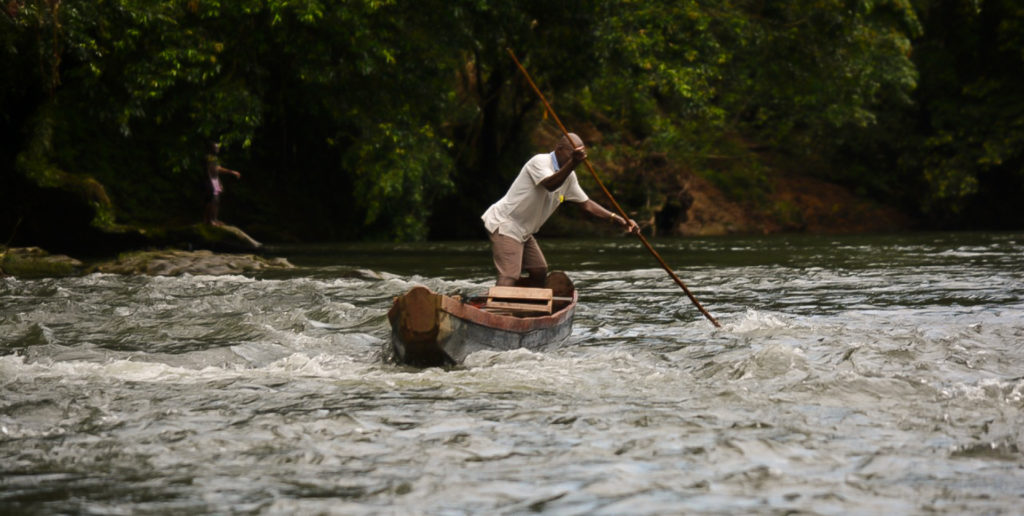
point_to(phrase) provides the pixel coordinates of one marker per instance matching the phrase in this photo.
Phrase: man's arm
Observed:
(552, 182)
(600, 212)
(222, 170)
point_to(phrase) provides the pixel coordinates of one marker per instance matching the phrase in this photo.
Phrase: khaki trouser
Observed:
(512, 257)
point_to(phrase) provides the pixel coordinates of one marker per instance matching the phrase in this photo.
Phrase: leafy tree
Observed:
(384, 119)
(149, 84)
(712, 85)
(968, 142)
(495, 114)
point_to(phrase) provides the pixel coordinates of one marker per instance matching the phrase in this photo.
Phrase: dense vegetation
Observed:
(404, 120)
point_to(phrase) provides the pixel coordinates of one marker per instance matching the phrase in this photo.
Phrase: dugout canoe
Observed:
(429, 329)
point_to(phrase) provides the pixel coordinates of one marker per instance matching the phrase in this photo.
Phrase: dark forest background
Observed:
(391, 120)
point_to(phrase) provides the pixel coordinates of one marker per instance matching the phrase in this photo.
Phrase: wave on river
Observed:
(851, 375)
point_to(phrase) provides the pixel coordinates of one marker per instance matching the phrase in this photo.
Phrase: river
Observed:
(852, 375)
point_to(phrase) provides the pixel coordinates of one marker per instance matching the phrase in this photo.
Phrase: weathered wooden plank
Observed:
(520, 293)
(519, 300)
(518, 307)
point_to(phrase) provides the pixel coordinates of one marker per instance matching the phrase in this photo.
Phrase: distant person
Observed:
(544, 182)
(213, 185)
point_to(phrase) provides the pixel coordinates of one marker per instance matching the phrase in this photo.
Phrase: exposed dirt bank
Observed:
(796, 204)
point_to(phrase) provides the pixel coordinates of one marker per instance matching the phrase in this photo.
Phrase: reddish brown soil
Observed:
(797, 204)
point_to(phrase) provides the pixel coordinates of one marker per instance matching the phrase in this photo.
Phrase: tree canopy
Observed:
(404, 120)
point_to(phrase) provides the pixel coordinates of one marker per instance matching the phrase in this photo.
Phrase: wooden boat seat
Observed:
(519, 300)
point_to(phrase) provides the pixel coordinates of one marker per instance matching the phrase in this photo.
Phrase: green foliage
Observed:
(156, 81)
(33, 162)
(971, 151)
(712, 84)
(383, 119)
(396, 171)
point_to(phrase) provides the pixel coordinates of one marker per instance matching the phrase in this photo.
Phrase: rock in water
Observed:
(178, 262)
(33, 262)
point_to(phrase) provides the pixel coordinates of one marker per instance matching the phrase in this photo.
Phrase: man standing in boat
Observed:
(545, 181)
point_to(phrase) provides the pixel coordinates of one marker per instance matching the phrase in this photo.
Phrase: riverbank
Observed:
(33, 262)
(795, 204)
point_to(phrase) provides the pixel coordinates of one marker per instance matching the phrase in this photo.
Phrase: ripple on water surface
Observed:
(850, 375)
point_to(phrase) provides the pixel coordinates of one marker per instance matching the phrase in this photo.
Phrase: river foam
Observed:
(850, 375)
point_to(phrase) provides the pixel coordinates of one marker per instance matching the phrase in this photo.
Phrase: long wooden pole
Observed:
(612, 198)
